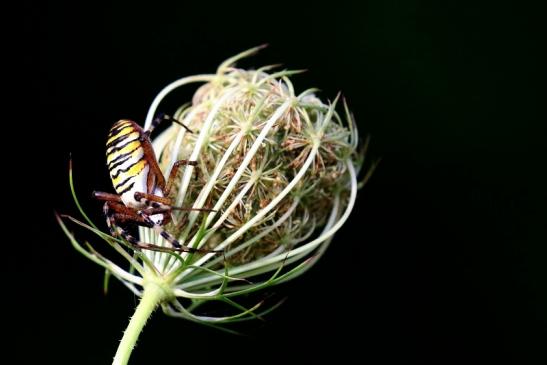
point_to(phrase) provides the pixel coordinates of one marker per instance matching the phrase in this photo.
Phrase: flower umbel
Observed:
(279, 171)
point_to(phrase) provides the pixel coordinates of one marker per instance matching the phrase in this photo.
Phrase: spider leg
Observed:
(170, 238)
(99, 195)
(164, 117)
(163, 203)
(152, 200)
(155, 177)
(117, 212)
(174, 171)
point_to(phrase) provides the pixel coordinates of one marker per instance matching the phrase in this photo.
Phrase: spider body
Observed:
(133, 167)
(142, 192)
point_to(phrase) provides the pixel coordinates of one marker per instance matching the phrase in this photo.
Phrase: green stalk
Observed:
(152, 296)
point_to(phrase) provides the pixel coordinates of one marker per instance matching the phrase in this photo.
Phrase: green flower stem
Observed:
(152, 296)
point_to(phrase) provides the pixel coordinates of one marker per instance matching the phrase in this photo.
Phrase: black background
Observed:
(443, 259)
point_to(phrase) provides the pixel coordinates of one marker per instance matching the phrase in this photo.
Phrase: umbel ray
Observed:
(142, 192)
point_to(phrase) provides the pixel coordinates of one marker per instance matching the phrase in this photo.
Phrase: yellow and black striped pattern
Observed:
(125, 157)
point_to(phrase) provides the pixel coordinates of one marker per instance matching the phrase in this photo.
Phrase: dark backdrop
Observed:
(443, 259)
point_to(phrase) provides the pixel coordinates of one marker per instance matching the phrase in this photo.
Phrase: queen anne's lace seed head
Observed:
(277, 167)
